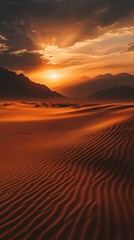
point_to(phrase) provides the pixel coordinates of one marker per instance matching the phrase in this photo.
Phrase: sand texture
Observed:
(66, 173)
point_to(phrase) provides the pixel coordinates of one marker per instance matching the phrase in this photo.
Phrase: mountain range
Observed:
(18, 86)
(102, 87)
(86, 86)
(117, 93)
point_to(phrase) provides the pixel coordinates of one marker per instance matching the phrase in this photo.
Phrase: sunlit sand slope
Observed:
(69, 176)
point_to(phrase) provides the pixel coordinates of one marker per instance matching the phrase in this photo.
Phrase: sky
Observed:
(55, 41)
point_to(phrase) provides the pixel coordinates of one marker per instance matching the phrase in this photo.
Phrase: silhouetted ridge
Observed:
(120, 93)
(87, 86)
(18, 86)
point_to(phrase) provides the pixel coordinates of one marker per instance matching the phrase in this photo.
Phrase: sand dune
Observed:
(67, 173)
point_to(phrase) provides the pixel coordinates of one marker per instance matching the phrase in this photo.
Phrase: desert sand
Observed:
(66, 173)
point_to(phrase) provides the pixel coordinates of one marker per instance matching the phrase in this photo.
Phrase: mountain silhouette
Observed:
(116, 93)
(13, 86)
(82, 87)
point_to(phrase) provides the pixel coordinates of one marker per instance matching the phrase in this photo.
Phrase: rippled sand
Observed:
(67, 173)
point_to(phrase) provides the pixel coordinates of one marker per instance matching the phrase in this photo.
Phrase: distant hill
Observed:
(116, 93)
(86, 86)
(13, 86)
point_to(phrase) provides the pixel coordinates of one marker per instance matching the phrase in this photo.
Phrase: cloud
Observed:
(3, 45)
(22, 61)
(108, 45)
(28, 27)
(129, 48)
(62, 22)
(2, 38)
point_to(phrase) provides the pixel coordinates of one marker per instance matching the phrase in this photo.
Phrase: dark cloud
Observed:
(24, 61)
(19, 19)
(63, 22)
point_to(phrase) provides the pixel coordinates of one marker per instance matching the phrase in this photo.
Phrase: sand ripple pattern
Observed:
(81, 191)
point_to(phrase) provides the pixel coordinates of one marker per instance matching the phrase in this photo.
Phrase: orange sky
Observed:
(56, 41)
(109, 53)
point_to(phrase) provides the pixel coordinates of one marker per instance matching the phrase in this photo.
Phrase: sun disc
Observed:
(54, 76)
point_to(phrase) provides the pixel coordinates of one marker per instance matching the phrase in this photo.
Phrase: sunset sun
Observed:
(54, 76)
(51, 77)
